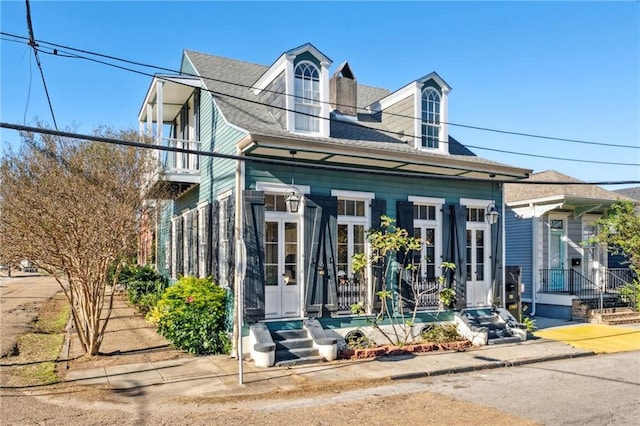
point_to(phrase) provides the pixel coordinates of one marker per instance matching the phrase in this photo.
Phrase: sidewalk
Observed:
(217, 375)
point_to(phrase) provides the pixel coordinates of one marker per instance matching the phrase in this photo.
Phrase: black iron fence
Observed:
(350, 292)
(608, 289)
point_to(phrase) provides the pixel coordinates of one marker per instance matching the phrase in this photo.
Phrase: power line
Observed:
(349, 123)
(554, 158)
(34, 45)
(56, 52)
(290, 162)
(487, 129)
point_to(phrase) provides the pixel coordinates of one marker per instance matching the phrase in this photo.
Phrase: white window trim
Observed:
(436, 224)
(296, 101)
(430, 89)
(354, 195)
(281, 188)
(565, 237)
(475, 202)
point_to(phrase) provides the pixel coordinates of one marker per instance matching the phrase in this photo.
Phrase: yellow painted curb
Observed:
(599, 338)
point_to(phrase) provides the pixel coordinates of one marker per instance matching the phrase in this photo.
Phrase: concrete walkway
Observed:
(210, 376)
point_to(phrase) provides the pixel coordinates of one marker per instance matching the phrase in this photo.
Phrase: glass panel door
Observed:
(282, 283)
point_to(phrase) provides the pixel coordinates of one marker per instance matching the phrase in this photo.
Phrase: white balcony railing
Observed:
(180, 162)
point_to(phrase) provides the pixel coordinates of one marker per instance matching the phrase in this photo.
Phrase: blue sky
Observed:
(562, 69)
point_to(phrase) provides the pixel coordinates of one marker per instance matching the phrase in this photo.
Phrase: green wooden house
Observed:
(301, 161)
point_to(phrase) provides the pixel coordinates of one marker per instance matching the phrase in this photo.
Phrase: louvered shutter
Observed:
(321, 232)
(254, 281)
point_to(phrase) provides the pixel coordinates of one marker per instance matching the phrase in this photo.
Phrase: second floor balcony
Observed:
(176, 171)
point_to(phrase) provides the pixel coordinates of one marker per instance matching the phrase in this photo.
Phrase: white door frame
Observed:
(283, 300)
(479, 292)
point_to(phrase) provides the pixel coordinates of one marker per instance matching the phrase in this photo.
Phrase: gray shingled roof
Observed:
(519, 192)
(229, 81)
(630, 192)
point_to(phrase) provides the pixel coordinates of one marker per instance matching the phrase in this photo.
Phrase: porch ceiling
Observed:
(176, 91)
(399, 162)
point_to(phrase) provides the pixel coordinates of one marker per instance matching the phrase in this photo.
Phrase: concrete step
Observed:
(635, 320)
(613, 316)
(292, 354)
(289, 334)
(293, 344)
(501, 340)
(299, 361)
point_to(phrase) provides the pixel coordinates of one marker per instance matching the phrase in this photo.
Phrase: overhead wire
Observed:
(157, 67)
(290, 162)
(345, 122)
(34, 45)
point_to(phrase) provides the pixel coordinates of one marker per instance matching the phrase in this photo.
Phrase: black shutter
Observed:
(378, 208)
(455, 249)
(254, 241)
(321, 232)
(404, 211)
(214, 235)
(231, 231)
(205, 252)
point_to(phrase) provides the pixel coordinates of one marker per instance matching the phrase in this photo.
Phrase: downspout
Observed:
(239, 279)
(535, 272)
(504, 250)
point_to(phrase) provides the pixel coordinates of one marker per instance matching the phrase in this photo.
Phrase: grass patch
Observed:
(38, 350)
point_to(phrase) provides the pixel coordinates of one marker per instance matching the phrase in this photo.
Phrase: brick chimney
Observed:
(343, 90)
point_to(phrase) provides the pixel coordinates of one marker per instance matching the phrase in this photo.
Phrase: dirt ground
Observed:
(130, 339)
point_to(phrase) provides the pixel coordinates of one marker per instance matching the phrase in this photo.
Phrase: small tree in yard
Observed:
(72, 208)
(385, 244)
(620, 231)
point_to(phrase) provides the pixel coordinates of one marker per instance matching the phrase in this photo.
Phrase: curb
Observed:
(499, 364)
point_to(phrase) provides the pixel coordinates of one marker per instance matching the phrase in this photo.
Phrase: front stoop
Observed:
(294, 347)
(616, 316)
(609, 316)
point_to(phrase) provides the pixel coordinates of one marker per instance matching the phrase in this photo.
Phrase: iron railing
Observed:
(180, 162)
(570, 282)
(350, 292)
(426, 292)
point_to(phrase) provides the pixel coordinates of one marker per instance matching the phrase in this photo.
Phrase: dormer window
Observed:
(307, 97)
(430, 118)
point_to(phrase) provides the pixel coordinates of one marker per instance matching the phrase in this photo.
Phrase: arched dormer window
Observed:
(307, 97)
(430, 118)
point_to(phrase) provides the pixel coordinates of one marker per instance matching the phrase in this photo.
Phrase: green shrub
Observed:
(441, 333)
(191, 315)
(144, 286)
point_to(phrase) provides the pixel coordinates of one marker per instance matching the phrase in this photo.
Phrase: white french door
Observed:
(479, 291)
(282, 252)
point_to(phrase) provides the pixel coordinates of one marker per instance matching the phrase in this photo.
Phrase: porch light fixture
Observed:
(293, 198)
(492, 214)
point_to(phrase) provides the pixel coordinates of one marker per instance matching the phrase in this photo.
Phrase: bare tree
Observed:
(72, 208)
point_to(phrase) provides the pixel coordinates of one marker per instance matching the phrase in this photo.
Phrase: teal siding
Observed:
(389, 188)
(431, 83)
(306, 56)
(519, 234)
(185, 67)
(216, 175)
(187, 201)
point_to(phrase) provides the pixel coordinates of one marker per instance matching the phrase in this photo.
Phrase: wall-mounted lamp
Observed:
(293, 198)
(492, 214)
